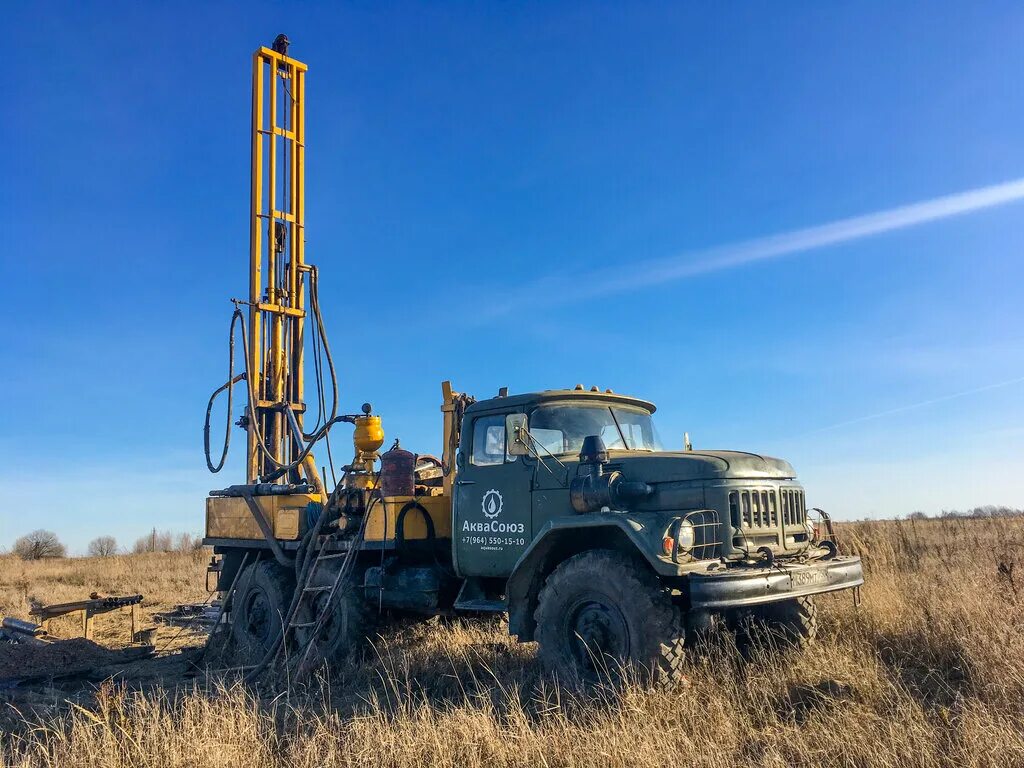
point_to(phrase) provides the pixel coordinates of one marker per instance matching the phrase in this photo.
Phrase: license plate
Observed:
(809, 578)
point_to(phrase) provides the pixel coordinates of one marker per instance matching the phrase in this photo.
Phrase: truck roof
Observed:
(550, 395)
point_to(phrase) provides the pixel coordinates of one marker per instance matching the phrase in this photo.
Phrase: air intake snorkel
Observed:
(593, 489)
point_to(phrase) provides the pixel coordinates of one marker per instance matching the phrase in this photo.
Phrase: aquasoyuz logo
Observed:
(491, 504)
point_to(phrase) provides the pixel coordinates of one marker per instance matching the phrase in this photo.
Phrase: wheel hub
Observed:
(257, 615)
(597, 631)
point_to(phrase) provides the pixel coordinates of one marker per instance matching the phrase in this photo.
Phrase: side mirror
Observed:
(517, 433)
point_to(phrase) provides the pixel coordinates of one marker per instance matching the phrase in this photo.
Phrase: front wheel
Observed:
(796, 621)
(601, 609)
(788, 623)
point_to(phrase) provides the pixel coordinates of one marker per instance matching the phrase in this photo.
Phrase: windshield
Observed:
(561, 428)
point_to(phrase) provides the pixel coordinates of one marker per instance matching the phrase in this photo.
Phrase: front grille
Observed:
(760, 508)
(793, 510)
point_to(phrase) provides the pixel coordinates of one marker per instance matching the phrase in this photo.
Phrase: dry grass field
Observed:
(929, 671)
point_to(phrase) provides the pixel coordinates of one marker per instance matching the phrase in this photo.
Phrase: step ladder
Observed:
(309, 591)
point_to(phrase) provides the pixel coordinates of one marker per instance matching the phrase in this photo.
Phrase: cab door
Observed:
(492, 509)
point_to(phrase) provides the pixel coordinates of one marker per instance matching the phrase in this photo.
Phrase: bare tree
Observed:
(186, 542)
(154, 541)
(39, 544)
(102, 546)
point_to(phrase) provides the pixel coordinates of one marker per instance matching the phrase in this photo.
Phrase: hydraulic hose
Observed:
(236, 317)
(428, 522)
(282, 467)
(230, 387)
(314, 304)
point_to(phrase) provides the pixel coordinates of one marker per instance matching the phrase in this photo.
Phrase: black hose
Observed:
(282, 467)
(400, 524)
(314, 303)
(431, 541)
(230, 387)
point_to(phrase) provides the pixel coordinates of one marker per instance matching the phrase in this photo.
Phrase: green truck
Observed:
(563, 509)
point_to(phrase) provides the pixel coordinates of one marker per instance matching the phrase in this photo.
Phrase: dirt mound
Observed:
(60, 658)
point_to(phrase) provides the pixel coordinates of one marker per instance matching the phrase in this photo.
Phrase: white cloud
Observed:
(562, 289)
(914, 406)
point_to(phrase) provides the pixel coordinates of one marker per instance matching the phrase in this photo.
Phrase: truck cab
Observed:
(543, 479)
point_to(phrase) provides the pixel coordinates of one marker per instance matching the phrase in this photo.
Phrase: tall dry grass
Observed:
(928, 672)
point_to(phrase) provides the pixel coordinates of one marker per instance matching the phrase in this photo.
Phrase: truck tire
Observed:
(796, 621)
(787, 623)
(601, 608)
(348, 626)
(261, 599)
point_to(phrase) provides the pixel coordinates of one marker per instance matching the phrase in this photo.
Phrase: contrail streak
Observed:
(914, 406)
(564, 288)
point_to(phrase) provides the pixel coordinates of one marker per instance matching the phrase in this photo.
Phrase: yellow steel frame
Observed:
(277, 267)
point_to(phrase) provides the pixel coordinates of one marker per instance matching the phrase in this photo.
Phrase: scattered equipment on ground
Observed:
(94, 606)
(17, 631)
(561, 508)
(197, 616)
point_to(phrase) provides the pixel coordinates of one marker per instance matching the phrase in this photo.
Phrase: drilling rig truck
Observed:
(559, 508)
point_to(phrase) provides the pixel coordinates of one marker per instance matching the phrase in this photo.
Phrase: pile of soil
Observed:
(61, 658)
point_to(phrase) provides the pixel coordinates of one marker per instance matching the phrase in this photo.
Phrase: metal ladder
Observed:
(307, 596)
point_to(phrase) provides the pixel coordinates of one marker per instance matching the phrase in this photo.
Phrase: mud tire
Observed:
(796, 621)
(261, 599)
(352, 622)
(785, 624)
(601, 608)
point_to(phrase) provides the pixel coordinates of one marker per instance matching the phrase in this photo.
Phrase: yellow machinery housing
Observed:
(230, 518)
(380, 525)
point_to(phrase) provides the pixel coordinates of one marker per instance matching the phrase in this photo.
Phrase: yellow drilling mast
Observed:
(277, 268)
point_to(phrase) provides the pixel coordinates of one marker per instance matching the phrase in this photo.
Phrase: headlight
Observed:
(678, 540)
(686, 536)
(812, 532)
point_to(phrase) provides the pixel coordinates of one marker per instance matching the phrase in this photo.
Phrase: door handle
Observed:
(465, 482)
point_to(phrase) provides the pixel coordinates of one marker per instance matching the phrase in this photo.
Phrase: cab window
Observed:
(561, 428)
(489, 441)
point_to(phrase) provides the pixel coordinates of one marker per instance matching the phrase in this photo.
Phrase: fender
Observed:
(563, 537)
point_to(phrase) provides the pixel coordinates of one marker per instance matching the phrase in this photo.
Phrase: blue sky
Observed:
(527, 195)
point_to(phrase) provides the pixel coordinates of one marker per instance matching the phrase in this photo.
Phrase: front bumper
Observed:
(741, 586)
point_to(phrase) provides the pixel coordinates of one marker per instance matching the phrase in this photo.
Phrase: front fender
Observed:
(563, 537)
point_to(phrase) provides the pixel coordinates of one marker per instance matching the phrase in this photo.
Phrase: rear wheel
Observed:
(261, 599)
(350, 620)
(601, 609)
